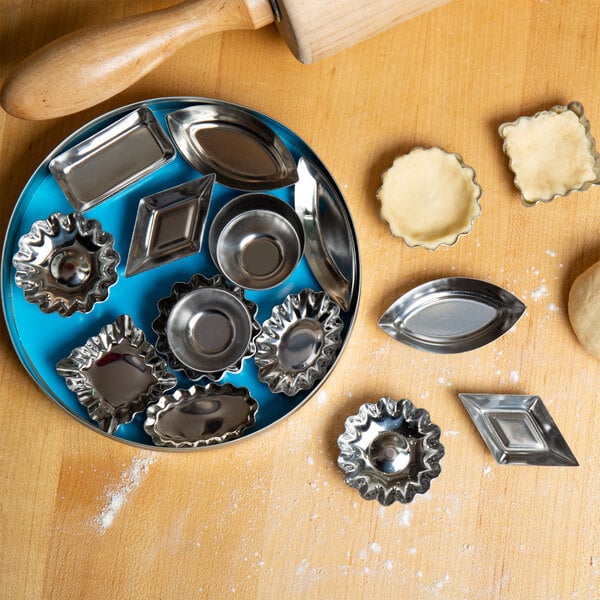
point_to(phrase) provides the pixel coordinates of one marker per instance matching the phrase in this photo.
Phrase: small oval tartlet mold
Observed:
(545, 168)
(429, 197)
(66, 263)
(116, 374)
(390, 451)
(299, 342)
(200, 416)
(206, 327)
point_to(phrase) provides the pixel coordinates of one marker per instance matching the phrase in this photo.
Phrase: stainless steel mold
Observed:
(116, 374)
(169, 225)
(451, 315)
(429, 197)
(329, 249)
(518, 430)
(112, 159)
(200, 416)
(206, 327)
(256, 241)
(299, 342)
(241, 150)
(66, 264)
(559, 149)
(390, 451)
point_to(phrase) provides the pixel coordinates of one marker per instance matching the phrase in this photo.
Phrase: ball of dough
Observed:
(584, 309)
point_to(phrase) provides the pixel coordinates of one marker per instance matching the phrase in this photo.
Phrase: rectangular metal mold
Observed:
(518, 430)
(112, 159)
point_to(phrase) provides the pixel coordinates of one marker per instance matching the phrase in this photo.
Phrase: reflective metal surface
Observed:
(206, 327)
(66, 264)
(330, 251)
(116, 374)
(518, 430)
(390, 451)
(112, 159)
(299, 342)
(451, 315)
(169, 225)
(137, 295)
(241, 150)
(200, 416)
(256, 240)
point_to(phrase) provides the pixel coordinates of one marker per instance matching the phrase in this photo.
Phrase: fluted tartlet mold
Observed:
(390, 451)
(66, 263)
(116, 374)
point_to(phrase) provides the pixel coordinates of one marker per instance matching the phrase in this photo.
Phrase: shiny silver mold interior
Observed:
(451, 315)
(169, 225)
(330, 251)
(256, 240)
(66, 263)
(112, 159)
(200, 416)
(299, 342)
(206, 327)
(242, 151)
(390, 451)
(116, 374)
(518, 430)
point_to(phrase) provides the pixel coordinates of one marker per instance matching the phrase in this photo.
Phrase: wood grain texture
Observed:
(85, 517)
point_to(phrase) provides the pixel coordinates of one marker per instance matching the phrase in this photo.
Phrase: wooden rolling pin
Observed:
(88, 66)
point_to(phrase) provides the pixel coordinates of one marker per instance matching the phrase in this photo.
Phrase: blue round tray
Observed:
(41, 339)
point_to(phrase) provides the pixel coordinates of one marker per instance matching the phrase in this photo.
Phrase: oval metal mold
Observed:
(452, 315)
(200, 416)
(256, 240)
(242, 151)
(329, 249)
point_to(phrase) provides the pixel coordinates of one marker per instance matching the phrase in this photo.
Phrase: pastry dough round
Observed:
(584, 309)
(429, 197)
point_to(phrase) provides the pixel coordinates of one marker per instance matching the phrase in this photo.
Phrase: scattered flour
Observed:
(440, 584)
(487, 470)
(551, 253)
(321, 398)
(376, 548)
(117, 495)
(514, 376)
(553, 307)
(539, 292)
(405, 517)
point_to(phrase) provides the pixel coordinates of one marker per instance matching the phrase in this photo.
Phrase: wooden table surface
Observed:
(83, 516)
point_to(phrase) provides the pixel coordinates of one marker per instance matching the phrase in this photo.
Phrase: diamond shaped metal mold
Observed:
(169, 225)
(518, 430)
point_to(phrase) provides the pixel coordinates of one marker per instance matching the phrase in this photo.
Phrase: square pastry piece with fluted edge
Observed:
(518, 430)
(551, 153)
